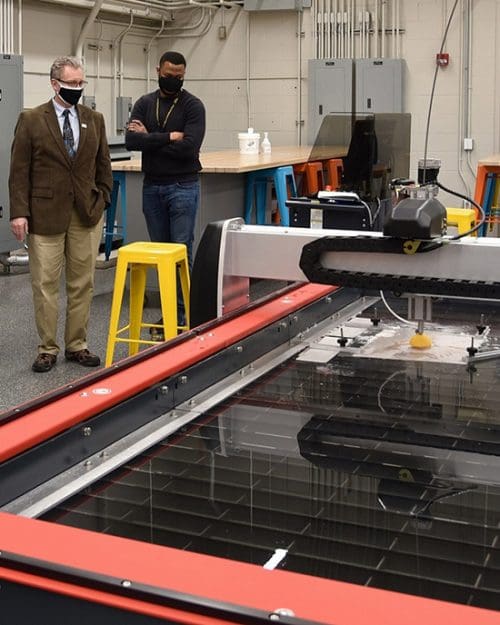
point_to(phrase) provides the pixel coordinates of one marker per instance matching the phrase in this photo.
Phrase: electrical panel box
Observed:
(379, 85)
(276, 5)
(123, 110)
(330, 91)
(11, 103)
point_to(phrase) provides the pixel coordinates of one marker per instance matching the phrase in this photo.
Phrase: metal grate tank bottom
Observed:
(378, 472)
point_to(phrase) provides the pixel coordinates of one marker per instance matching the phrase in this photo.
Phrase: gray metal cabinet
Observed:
(379, 85)
(11, 102)
(330, 91)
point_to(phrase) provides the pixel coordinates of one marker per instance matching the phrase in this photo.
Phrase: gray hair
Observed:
(64, 61)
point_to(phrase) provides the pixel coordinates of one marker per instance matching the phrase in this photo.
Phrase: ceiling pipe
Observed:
(204, 30)
(6, 26)
(145, 6)
(89, 22)
(148, 54)
(20, 27)
(139, 7)
(299, 76)
(120, 54)
(174, 29)
(147, 30)
(215, 4)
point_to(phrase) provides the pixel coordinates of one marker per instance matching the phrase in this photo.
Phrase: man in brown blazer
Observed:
(60, 183)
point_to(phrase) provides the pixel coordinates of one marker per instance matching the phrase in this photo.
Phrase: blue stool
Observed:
(256, 192)
(109, 227)
(112, 240)
(121, 178)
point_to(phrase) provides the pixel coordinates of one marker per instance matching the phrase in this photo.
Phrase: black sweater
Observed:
(165, 161)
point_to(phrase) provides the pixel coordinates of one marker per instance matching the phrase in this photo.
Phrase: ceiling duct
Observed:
(276, 5)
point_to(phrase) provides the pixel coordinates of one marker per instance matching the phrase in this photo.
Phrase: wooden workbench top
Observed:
(232, 162)
(490, 161)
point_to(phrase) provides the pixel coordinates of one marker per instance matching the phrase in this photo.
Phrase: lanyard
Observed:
(167, 114)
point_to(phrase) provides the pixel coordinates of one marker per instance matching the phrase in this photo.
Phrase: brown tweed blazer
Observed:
(45, 184)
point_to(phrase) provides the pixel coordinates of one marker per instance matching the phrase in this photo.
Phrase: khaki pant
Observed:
(77, 248)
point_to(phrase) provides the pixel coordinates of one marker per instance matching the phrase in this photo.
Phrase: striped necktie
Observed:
(68, 138)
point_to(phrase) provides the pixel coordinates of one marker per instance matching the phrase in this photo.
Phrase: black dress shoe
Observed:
(83, 357)
(44, 362)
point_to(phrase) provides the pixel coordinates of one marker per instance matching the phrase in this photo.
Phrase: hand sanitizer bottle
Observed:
(266, 144)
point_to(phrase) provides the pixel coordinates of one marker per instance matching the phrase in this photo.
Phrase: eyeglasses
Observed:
(74, 84)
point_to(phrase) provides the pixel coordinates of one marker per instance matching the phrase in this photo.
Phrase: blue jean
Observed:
(170, 213)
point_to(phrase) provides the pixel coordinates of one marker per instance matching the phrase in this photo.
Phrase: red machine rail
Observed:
(220, 580)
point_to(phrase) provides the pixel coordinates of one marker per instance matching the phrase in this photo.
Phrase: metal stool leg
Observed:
(334, 168)
(110, 220)
(314, 177)
(249, 197)
(185, 285)
(256, 196)
(138, 274)
(167, 280)
(283, 176)
(118, 290)
(260, 201)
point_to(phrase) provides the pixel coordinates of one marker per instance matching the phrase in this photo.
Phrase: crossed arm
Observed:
(135, 125)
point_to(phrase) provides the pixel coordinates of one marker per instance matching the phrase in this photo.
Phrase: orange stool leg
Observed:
(314, 176)
(299, 173)
(334, 168)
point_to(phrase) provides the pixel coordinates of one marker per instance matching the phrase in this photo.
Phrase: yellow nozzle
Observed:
(420, 341)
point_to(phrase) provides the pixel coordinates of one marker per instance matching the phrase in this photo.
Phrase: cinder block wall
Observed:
(254, 77)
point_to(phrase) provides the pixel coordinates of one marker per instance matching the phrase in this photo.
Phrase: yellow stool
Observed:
(462, 218)
(139, 257)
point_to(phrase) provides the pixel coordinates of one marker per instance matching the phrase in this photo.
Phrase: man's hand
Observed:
(19, 227)
(176, 136)
(135, 125)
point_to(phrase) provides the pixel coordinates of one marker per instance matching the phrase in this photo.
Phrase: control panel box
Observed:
(123, 110)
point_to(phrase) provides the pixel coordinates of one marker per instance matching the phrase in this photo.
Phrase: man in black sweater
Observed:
(168, 127)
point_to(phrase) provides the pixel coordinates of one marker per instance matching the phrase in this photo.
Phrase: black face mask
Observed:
(170, 84)
(70, 96)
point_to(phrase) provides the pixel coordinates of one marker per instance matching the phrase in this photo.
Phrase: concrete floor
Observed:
(19, 338)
